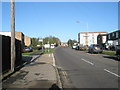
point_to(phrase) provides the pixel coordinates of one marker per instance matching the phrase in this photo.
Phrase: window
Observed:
(113, 34)
(116, 34)
(108, 36)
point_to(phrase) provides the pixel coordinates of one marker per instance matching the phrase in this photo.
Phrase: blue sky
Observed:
(42, 19)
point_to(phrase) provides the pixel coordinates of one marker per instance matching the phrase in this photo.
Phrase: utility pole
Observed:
(12, 36)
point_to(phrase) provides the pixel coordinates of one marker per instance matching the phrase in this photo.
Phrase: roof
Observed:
(93, 32)
(114, 31)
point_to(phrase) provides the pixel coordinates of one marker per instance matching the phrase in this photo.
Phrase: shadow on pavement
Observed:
(26, 58)
(18, 76)
(111, 57)
(35, 63)
(25, 61)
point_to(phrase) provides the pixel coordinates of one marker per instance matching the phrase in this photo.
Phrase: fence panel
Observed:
(6, 53)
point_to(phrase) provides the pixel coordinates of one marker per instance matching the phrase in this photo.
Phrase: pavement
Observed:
(41, 72)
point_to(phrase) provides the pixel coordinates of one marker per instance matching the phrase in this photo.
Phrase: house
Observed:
(64, 44)
(101, 39)
(88, 38)
(115, 37)
(27, 41)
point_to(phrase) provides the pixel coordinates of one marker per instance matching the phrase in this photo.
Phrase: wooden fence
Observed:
(6, 53)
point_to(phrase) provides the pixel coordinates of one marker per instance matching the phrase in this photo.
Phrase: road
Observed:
(79, 69)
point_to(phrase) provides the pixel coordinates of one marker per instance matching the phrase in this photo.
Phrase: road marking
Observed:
(111, 72)
(49, 55)
(53, 60)
(65, 74)
(87, 61)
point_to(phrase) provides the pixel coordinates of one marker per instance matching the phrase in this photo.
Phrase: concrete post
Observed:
(12, 36)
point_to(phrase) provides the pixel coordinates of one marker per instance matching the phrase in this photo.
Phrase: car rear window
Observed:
(96, 45)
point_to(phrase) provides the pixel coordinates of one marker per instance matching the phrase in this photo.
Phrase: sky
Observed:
(61, 19)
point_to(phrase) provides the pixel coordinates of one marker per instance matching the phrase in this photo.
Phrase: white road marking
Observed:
(49, 55)
(111, 72)
(65, 74)
(87, 61)
(53, 59)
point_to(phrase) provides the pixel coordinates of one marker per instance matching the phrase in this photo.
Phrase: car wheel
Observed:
(118, 56)
(91, 52)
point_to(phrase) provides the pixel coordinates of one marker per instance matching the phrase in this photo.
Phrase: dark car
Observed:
(118, 54)
(95, 48)
(27, 49)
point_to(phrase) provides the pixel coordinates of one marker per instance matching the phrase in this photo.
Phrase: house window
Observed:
(113, 34)
(116, 34)
(108, 36)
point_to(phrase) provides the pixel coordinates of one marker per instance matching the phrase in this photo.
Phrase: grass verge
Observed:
(109, 52)
(28, 53)
(48, 51)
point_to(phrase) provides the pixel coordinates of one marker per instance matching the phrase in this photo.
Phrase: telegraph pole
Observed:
(12, 35)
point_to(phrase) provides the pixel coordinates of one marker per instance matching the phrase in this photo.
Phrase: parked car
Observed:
(81, 47)
(74, 46)
(27, 49)
(118, 53)
(108, 44)
(95, 48)
(52, 46)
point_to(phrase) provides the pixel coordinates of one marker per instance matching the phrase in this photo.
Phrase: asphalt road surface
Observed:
(85, 70)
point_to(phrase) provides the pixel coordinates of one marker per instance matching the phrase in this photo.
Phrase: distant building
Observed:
(115, 36)
(20, 36)
(101, 39)
(87, 38)
(27, 40)
(64, 44)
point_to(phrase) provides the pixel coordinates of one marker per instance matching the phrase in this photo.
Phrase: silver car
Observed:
(95, 48)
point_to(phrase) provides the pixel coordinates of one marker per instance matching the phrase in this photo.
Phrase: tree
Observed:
(74, 41)
(52, 40)
(71, 42)
(35, 42)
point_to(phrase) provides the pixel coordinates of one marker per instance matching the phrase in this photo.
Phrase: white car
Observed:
(47, 46)
(52, 46)
(74, 46)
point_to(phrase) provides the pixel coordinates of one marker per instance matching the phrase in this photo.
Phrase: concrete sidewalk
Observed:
(40, 73)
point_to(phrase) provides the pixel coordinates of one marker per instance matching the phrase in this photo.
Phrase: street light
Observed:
(86, 30)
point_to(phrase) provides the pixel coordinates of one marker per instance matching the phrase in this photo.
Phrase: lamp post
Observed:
(12, 35)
